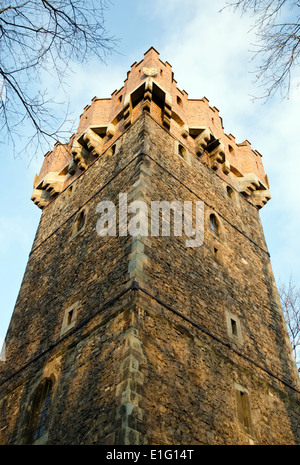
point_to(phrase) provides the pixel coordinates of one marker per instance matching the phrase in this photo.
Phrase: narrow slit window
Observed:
(214, 224)
(70, 317)
(80, 222)
(243, 409)
(233, 327)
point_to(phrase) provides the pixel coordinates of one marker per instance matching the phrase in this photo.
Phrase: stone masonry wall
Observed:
(150, 358)
(191, 356)
(86, 273)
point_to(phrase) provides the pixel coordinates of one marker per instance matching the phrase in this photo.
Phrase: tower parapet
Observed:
(150, 86)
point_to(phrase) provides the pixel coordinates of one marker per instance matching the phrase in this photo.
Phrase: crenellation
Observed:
(158, 94)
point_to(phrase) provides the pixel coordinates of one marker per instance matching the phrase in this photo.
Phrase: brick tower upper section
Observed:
(197, 128)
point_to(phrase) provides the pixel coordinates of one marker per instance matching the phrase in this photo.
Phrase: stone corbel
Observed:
(53, 183)
(254, 187)
(80, 155)
(248, 183)
(202, 140)
(93, 141)
(205, 141)
(217, 156)
(261, 197)
(40, 197)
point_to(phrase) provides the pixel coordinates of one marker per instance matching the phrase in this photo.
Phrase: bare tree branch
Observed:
(277, 47)
(290, 300)
(44, 35)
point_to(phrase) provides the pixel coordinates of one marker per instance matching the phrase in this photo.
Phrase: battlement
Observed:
(150, 87)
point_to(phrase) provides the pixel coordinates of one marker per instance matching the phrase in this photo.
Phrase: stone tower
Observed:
(125, 333)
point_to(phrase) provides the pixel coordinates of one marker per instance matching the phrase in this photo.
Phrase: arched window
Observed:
(214, 224)
(40, 410)
(230, 192)
(230, 149)
(179, 101)
(79, 223)
(181, 151)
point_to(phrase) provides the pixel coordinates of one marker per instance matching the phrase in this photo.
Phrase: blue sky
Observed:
(210, 55)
